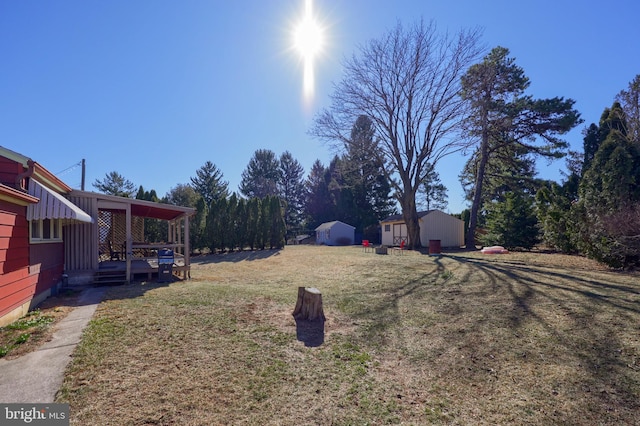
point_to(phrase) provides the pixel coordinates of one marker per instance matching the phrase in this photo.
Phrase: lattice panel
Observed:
(112, 227)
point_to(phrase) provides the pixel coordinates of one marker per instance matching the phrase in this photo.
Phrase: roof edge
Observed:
(15, 196)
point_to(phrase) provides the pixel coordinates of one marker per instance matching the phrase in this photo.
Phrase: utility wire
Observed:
(70, 168)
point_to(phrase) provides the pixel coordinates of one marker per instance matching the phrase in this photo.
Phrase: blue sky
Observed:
(153, 89)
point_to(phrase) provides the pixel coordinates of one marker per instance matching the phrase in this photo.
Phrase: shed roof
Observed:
(329, 225)
(400, 218)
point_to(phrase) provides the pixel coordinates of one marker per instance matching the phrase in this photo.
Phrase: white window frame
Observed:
(55, 231)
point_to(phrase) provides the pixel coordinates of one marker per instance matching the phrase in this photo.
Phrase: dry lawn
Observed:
(466, 338)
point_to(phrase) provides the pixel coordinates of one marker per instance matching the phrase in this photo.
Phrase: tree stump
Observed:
(381, 250)
(309, 304)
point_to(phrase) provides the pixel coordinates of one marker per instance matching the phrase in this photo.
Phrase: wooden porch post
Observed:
(128, 250)
(187, 249)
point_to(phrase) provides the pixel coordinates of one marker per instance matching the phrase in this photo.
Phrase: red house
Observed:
(48, 230)
(33, 212)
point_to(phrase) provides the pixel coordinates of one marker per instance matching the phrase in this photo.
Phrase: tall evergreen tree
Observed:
(198, 226)
(607, 227)
(264, 224)
(186, 196)
(512, 222)
(629, 100)
(253, 220)
(501, 115)
(433, 193)
(230, 226)
(209, 183)
(260, 178)
(291, 189)
(241, 224)
(366, 185)
(553, 207)
(277, 230)
(153, 229)
(115, 184)
(318, 206)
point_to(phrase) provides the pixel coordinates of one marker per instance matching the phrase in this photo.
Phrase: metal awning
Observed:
(53, 205)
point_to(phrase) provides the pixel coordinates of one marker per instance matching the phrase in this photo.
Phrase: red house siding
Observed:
(9, 169)
(47, 261)
(17, 285)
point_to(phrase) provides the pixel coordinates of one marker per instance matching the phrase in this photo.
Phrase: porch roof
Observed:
(140, 208)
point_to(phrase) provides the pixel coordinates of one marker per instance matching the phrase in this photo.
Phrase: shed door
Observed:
(399, 233)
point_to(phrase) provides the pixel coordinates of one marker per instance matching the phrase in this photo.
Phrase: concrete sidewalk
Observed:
(37, 376)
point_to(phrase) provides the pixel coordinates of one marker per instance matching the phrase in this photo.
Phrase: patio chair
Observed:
(402, 248)
(114, 254)
(366, 246)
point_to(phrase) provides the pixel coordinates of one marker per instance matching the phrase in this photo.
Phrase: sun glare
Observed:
(308, 39)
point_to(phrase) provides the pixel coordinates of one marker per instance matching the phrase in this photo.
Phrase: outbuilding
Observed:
(434, 225)
(335, 233)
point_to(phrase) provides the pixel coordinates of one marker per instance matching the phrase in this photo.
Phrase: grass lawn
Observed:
(466, 338)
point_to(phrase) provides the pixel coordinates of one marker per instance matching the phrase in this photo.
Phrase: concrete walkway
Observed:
(37, 376)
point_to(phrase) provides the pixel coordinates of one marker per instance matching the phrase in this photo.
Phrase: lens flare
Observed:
(308, 40)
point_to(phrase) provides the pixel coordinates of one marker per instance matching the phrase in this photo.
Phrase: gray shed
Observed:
(335, 233)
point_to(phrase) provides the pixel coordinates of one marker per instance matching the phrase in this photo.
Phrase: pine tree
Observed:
(260, 178)
(629, 101)
(512, 223)
(292, 190)
(209, 183)
(432, 192)
(277, 231)
(264, 224)
(242, 224)
(253, 220)
(318, 206)
(607, 225)
(505, 121)
(115, 184)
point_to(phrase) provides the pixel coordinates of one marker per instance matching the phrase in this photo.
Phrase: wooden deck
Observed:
(145, 265)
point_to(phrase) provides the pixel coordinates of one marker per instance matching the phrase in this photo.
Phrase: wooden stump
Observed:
(309, 304)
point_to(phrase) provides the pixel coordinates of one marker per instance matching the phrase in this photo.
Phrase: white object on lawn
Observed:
(494, 250)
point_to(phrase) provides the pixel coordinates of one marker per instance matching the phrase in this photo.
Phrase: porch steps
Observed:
(109, 278)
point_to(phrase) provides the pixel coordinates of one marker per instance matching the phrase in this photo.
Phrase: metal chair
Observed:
(114, 254)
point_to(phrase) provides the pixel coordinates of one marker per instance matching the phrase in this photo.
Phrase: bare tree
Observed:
(408, 84)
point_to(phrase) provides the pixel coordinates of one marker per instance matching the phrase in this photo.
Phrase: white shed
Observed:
(335, 233)
(434, 225)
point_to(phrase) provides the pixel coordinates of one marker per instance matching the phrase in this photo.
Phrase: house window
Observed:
(387, 228)
(45, 230)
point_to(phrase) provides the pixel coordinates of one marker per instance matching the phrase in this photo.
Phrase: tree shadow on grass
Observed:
(381, 308)
(236, 256)
(311, 333)
(583, 317)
